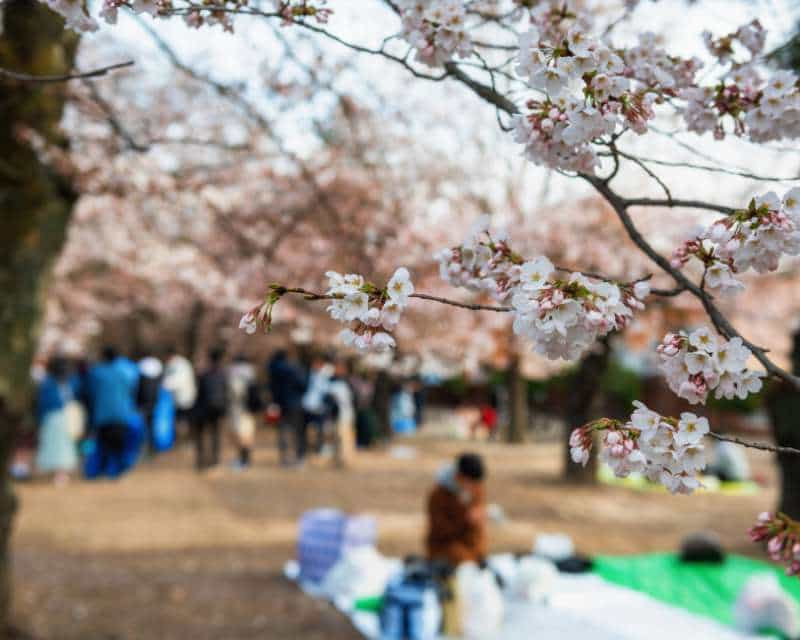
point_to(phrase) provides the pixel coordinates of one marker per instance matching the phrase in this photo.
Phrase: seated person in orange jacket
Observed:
(457, 513)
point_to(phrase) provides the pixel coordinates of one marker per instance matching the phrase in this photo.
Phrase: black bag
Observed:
(216, 391)
(254, 400)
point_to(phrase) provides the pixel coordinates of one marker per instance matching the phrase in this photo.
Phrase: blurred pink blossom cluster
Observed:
(436, 29)
(759, 106)
(700, 362)
(782, 538)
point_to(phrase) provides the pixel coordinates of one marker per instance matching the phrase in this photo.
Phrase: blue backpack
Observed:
(410, 607)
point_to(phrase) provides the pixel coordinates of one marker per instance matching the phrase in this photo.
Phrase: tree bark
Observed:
(783, 403)
(35, 205)
(581, 398)
(518, 417)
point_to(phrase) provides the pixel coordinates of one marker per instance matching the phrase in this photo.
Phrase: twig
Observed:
(313, 295)
(463, 305)
(79, 75)
(113, 121)
(689, 204)
(761, 446)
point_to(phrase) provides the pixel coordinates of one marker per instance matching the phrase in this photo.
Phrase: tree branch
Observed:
(80, 75)
(761, 446)
(723, 325)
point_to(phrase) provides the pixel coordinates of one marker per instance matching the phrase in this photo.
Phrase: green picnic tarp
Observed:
(703, 588)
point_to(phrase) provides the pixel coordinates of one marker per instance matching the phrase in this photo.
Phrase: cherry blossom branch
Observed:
(761, 446)
(80, 75)
(721, 323)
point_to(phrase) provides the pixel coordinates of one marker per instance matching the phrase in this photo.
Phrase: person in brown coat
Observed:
(457, 513)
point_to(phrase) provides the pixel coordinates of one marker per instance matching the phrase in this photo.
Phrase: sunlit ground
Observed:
(166, 553)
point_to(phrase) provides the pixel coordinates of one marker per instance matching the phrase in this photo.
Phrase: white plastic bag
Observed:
(361, 572)
(534, 580)
(554, 546)
(506, 566)
(481, 602)
(762, 604)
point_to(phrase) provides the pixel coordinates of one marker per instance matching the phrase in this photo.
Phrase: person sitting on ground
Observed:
(457, 513)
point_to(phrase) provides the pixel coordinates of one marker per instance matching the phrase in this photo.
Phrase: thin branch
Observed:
(668, 293)
(648, 171)
(689, 204)
(313, 295)
(117, 126)
(761, 446)
(78, 75)
(463, 305)
(711, 169)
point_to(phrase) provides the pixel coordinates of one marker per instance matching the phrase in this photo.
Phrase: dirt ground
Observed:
(167, 553)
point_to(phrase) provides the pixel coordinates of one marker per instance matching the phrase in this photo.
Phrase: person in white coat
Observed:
(179, 380)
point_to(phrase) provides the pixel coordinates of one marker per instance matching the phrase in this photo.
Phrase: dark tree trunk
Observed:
(35, 205)
(381, 400)
(581, 398)
(783, 403)
(193, 331)
(518, 418)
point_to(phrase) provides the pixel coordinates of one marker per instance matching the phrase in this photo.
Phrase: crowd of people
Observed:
(101, 417)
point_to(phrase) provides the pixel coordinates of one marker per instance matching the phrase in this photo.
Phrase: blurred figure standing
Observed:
(403, 410)
(112, 392)
(344, 415)
(286, 385)
(314, 406)
(366, 421)
(211, 407)
(179, 380)
(244, 398)
(150, 374)
(56, 454)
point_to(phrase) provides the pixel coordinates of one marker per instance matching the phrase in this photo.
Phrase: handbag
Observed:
(75, 417)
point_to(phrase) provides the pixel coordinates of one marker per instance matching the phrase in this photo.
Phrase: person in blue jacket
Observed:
(112, 395)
